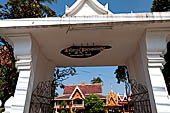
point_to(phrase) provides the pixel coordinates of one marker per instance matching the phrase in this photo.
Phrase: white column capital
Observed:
(156, 40)
(156, 46)
(21, 43)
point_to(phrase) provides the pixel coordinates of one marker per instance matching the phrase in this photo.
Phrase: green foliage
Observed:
(63, 104)
(160, 6)
(63, 111)
(8, 72)
(96, 80)
(93, 104)
(166, 70)
(121, 74)
(61, 74)
(2, 110)
(116, 111)
(14, 9)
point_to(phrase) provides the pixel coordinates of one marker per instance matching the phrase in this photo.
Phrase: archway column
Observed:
(156, 45)
(22, 45)
(145, 67)
(33, 67)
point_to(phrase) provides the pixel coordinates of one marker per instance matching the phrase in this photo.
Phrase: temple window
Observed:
(77, 101)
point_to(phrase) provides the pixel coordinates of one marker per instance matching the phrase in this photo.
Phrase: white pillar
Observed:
(156, 46)
(145, 67)
(22, 45)
(33, 66)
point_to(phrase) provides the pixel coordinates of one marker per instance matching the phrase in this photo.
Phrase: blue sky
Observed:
(116, 6)
(87, 73)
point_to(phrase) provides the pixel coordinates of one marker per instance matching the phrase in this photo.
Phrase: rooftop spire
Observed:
(111, 87)
(82, 83)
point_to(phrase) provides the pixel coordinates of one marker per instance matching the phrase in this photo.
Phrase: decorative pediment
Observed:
(112, 102)
(112, 99)
(77, 93)
(87, 8)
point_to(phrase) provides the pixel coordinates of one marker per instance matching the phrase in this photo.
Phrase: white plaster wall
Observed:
(34, 49)
(143, 49)
(42, 67)
(41, 70)
(135, 67)
(131, 69)
(138, 67)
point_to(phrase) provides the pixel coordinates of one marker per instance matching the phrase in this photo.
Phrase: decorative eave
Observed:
(77, 88)
(103, 10)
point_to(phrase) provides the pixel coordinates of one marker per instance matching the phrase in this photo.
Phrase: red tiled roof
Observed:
(86, 89)
(62, 97)
(123, 102)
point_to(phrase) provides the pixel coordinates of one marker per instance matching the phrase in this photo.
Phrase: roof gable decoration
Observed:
(77, 89)
(112, 98)
(87, 8)
(112, 101)
(122, 97)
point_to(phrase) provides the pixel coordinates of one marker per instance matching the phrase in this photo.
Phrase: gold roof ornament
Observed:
(112, 99)
(83, 82)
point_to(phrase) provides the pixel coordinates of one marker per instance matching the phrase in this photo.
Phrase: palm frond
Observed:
(1, 6)
(47, 10)
(49, 1)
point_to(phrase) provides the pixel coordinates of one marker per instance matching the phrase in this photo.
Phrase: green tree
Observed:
(121, 74)
(61, 74)
(160, 6)
(166, 70)
(8, 72)
(63, 104)
(93, 104)
(96, 80)
(14, 9)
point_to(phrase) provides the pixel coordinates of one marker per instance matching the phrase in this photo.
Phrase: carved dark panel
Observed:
(140, 98)
(42, 98)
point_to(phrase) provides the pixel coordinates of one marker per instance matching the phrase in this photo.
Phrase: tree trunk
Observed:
(2, 104)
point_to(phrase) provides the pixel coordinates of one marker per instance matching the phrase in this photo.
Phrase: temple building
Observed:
(74, 95)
